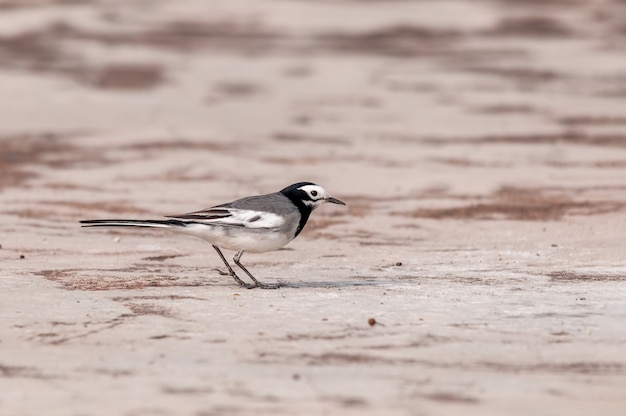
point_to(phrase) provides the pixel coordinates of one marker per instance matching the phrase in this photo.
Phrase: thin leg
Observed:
(232, 272)
(259, 284)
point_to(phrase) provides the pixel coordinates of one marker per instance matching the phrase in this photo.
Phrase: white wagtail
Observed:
(255, 223)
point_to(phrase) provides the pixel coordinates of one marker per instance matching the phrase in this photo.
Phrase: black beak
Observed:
(335, 201)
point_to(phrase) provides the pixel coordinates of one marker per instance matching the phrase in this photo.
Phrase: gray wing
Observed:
(263, 211)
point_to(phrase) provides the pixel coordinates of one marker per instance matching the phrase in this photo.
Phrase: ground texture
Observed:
(479, 267)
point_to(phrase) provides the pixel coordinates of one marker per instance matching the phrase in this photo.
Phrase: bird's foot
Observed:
(267, 285)
(247, 285)
(221, 272)
(258, 285)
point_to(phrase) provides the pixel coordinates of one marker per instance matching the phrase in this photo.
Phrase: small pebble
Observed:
(22, 256)
(371, 321)
(399, 263)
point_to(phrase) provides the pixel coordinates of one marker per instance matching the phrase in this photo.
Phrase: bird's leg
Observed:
(258, 284)
(232, 272)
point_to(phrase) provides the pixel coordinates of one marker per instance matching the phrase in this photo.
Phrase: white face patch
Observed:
(316, 193)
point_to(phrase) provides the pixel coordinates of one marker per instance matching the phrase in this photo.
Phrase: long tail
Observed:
(134, 223)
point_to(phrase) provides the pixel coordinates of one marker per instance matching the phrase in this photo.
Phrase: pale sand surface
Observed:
(480, 147)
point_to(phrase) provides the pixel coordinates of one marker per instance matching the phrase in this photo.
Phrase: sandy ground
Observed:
(480, 146)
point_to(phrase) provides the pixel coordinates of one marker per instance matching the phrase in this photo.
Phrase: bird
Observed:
(254, 224)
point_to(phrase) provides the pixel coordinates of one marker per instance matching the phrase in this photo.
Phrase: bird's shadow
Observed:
(355, 282)
(327, 284)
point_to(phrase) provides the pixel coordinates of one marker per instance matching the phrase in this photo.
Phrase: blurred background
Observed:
(480, 146)
(257, 92)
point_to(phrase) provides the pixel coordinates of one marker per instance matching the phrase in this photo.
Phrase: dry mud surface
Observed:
(479, 267)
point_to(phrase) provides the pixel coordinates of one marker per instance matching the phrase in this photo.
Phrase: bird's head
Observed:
(309, 194)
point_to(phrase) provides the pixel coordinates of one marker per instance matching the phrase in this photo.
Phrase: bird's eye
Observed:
(313, 193)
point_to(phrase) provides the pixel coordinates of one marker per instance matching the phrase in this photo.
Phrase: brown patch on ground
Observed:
(322, 222)
(36, 50)
(148, 309)
(397, 41)
(318, 160)
(581, 367)
(316, 228)
(183, 36)
(523, 205)
(447, 397)
(176, 390)
(299, 161)
(33, 149)
(154, 297)
(470, 163)
(236, 88)
(13, 371)
(71, 186)
(339, 358)
(162, 258)
(506, 109)
(122, 76)
(24, 4)
(254, 38)
(131, 278)
(345, 101)
(14, 177)
(425, 341)
(21, 154)
(43, 51)
(575, 277)
(356, 209)
(113, 372)
(161, 145)
(173, 175)
(112, 207)
(576, 138)
(548, 3)
(346, 401)
(524, 77)
(343, 358)
(77, 209)
(292, 137)
(604, 164)
(584, 120)
(381, 243)
(530, 26)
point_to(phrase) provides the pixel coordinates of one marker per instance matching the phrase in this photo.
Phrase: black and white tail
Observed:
(134, 223)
